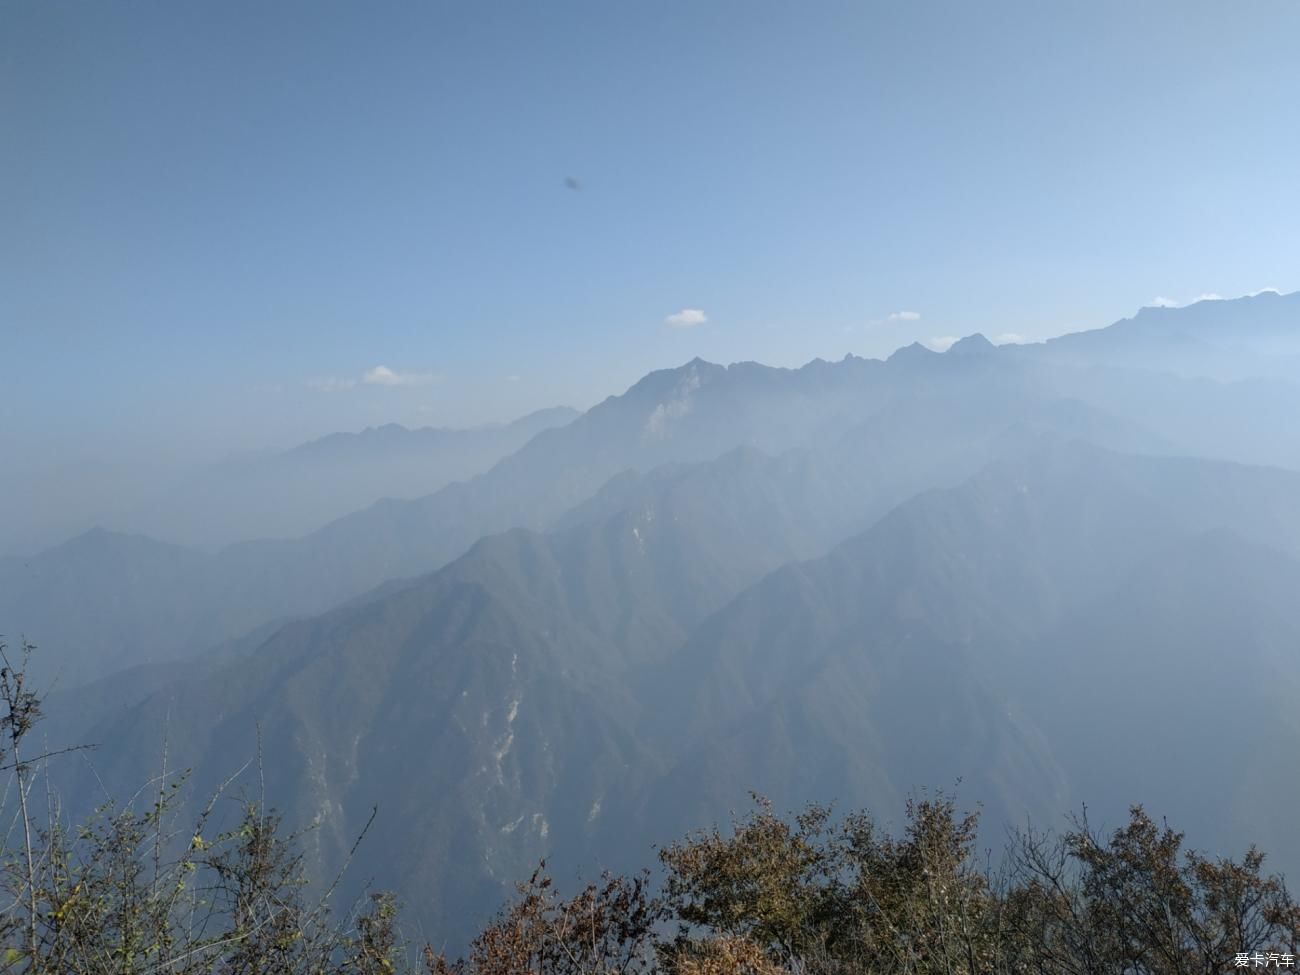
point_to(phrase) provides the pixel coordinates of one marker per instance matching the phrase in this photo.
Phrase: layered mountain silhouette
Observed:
(257, 495)
(688, 414)
(1052, 578)
(1254, 336)
(289, 493)
(948, 621)
(907, 423)
(694, 413)
(585, 693)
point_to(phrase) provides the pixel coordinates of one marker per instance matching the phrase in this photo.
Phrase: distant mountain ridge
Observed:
(289, 493)
(688, 415)
(1252, 336)
(691, 414)
(397, 436)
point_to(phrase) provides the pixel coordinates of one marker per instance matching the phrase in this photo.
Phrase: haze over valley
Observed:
(987, 566)
(445, 446)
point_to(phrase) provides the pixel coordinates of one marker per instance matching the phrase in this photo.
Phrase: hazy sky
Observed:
(218, 219)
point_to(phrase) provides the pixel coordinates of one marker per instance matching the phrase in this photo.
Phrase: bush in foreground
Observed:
(130, 894)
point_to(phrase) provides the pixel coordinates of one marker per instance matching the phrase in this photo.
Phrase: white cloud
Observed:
(383, 376)
(378, 376)
(686, 318)
(895, 316)
(1009, 338)
(1162, 302)
(940, 343)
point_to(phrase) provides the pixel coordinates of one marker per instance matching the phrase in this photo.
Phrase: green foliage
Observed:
(131, 893)
(607, 928)
(815, 893)
(771, 882)
(1137, 901)
(813, 896)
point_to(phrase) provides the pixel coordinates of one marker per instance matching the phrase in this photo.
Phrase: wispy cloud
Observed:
(1159, 301)
(378, 376)
(1009, 338)
(940, 343)
(895, 316)
(686, 318)
(383, 376)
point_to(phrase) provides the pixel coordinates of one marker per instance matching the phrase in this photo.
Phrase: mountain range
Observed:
(688, 414)
(286, 494)
(585, 693)
(1035, 573)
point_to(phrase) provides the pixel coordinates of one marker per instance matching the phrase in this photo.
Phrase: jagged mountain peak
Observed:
(971, 345)
(916, 352)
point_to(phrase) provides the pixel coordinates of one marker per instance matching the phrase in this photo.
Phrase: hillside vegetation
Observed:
(131, 892)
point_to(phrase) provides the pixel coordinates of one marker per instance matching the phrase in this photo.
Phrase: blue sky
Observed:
(218, 220)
